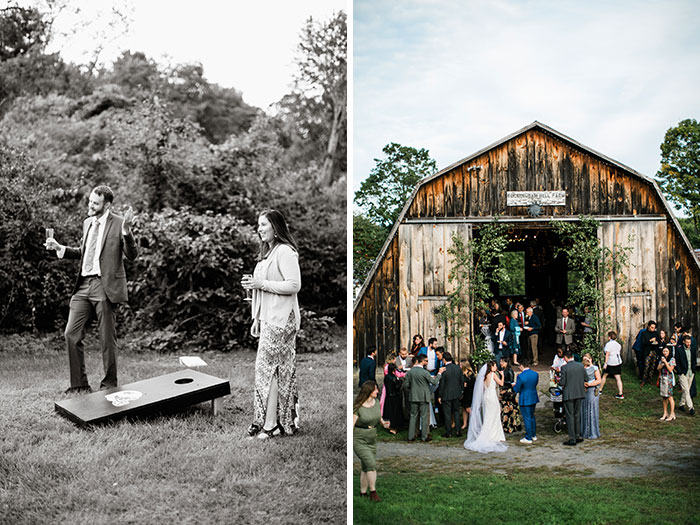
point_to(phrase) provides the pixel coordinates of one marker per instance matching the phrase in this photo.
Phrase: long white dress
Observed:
(485, 432)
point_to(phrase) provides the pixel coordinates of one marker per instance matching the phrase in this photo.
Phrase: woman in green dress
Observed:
(366, 416)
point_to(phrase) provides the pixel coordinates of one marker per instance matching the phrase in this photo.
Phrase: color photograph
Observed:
(525, 262)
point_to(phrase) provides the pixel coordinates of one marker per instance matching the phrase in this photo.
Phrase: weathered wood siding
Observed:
(535, 161)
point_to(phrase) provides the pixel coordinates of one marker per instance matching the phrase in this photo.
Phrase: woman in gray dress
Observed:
(590, 428)
(666, 380)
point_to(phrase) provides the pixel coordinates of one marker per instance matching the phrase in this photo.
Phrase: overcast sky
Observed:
(454, 76)
(247, 45)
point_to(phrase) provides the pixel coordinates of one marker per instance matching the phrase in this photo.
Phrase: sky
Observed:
(246, 45)
(455, 76)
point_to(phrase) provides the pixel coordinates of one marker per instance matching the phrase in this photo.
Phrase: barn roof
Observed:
(534, 125)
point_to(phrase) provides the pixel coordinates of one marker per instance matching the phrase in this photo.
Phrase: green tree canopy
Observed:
(680, 167)
(383, 194)
(367, 239)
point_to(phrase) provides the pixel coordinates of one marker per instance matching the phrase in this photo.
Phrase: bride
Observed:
(485, 429)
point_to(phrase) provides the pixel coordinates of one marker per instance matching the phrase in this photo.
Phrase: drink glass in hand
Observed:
(49, 235)
(248, 292)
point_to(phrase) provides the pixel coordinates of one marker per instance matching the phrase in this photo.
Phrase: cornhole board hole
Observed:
(150, 397)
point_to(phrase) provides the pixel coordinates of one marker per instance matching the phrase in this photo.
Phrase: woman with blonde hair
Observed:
(276, 319)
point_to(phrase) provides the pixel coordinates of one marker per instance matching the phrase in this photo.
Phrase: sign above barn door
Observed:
(543, 198)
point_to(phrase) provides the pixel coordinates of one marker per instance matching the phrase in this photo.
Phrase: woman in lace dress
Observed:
(485, 429)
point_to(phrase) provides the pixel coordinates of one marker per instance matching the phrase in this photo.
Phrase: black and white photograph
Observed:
(173, 261)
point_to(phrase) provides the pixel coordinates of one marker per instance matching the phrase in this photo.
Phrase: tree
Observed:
(367, 240)
(391, 181)
(322, 77)
(680, 167)
(21, 30)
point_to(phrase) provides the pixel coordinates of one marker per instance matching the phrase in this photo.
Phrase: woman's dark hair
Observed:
(413, 343)
(391, 369)
(489, 366)
(279, 226)
(363, 395)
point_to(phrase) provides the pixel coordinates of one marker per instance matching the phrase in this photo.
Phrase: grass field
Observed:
(461, 490)
(187, 468)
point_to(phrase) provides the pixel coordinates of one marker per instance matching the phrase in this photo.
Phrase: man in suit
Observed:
(565, 328)
(573, 377)
(502, 341)
(686, 359)
(368, 366)
(431, 351)
(99, 286)
(526, 387)
(449, 394)
(403, 360)
(417, 383)
(533, 325)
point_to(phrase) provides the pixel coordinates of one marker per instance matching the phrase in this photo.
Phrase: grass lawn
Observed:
(187, 468)
(459, 491)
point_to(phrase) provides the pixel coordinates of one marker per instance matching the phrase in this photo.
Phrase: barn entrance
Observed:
(537, 273)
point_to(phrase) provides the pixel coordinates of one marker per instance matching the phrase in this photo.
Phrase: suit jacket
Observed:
(508, 339)
(368, 370)
(451, 382)
(417, 383)
(570, 327)
(115, 248)
(409, 362)
(437, 361)
(573, 375)
(526, 386)
(682, 364)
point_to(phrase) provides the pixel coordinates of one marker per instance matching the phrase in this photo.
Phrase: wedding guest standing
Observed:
(649, 344)
(365, 418)
(368, 366)
(468, 378)
(565, 329)
(450, 392)
(390, 360)
(515, 331)
(417, 383)
(573, 377)
(392, 410)
(686, 359)
(100, 284)
(416, 345)
(533, 325)
(510, 410)
(613, 363)
(590, 425)
(276, 319)
(526, 387)
(666, 365)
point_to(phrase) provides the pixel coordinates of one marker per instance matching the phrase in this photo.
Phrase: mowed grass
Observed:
(190, 467)
(527, 497)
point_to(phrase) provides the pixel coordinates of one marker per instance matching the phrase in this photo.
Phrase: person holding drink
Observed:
(100, 284)
(276, 320)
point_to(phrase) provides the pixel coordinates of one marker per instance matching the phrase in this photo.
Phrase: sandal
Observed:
(273, 432)
(671, 418)
(254, 430)
(663, 418)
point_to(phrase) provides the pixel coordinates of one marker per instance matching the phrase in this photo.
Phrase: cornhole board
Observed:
(145, 398)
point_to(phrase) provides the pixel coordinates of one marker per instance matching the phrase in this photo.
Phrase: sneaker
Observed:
(526, 441)
(534, 438)
(618, 396)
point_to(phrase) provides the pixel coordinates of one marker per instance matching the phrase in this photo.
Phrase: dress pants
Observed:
(528, 413)
(419, 410)
(91, 301)
(572, 410)
(685, 384)
(450, 407)
(534, 341)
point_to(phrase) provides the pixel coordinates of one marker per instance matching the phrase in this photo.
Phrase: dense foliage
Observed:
(195, 162)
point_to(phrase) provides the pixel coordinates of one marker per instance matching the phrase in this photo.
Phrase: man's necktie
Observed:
(91, 246)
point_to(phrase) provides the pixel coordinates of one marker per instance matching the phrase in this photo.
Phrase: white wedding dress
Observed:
(485, 432)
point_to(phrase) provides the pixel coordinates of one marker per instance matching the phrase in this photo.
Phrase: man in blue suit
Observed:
(526, 386)
(368, 366)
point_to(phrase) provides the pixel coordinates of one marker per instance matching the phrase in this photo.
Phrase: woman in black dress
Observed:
(468, 378)
(393, 403)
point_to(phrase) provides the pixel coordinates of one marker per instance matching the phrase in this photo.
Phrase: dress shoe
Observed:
(363, 494)
(458, 434)
(447, 435)
(427, 439)
(691, 412)
(373, 496)
(78, 390)
(412, 440)
(681, 408)
(570, 443)
(579, 440)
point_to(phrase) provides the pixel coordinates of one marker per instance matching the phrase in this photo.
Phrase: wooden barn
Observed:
(564, 180)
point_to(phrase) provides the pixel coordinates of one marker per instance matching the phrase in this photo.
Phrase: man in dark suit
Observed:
(99, 286)
(449, 394)
(573, 377)
(526, 386)
(417, 383)
(686, 359)
(368, 366)
(502, 341)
